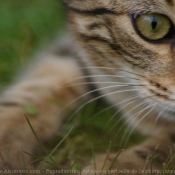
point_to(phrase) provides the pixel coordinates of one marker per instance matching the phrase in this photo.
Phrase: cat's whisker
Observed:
(123, 116)
(130, 72)
(92, 91)
(90, 101)
(98, 76)
(170, 105)
(120, 119)
(96, 67)
(117, 83)
(138, 113)
(109, 68)
(160, 114)
(152, 108)
(115, 105)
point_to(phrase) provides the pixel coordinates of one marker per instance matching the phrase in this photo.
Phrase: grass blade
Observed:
(114, 160)
(106, 157)
(37, 158)
(55, 148)
(74, 163)
(93, 154)
(39, 141)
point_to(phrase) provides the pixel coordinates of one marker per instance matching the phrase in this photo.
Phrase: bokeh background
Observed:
(26, 26)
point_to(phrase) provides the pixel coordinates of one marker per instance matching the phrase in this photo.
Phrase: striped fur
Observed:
(107, 37)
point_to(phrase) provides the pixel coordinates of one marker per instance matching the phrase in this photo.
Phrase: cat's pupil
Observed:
(154, 23)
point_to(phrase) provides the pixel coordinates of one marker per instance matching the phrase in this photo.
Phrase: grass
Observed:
(25, 26)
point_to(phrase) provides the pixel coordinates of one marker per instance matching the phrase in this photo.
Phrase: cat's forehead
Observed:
(166, 7)
(119, 4)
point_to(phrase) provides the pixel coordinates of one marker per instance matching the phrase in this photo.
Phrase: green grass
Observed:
(26, 26)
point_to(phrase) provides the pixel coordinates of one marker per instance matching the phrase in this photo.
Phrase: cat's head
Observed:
(137, 36)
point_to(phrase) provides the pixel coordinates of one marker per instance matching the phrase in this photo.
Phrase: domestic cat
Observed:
(130, 43)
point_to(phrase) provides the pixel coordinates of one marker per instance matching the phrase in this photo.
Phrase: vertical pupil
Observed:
(154, 23)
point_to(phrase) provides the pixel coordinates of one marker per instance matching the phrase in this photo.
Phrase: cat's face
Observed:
(137, 36)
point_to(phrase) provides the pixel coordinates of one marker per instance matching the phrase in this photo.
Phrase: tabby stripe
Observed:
(106, 41)
(98, 11)
(94, 26)
(94, 37)
(116, 47)
(98, 52)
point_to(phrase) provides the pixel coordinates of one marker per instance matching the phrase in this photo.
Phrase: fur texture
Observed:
(109, 44)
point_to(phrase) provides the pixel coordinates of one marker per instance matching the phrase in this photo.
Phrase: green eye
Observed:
(153, 26)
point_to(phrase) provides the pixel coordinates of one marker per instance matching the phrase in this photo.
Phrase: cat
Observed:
(130, 43)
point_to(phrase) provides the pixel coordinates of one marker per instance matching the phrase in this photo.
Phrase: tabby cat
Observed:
(128, 42)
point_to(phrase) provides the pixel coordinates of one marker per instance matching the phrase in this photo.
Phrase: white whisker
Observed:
(109, 68)
(90, 101)
(115, 105)
(134, 117)
(150, 106)
(99, 76)
(90, 92)
(116, 82)
(140, 104)
(159, 114)
(94, 67)
(118, 112)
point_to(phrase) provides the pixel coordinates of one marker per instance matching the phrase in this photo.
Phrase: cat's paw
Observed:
(127, 162)
(37, 101)
(141, 159)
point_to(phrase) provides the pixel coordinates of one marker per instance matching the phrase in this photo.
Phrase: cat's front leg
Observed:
(40, 96)
(155, 156)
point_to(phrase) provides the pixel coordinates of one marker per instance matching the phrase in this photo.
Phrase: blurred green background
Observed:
(25, 25)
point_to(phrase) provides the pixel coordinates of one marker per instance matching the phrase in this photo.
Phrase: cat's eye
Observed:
(153, 26)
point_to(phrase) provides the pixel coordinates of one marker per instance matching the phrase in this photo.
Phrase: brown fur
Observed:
(116, 44)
